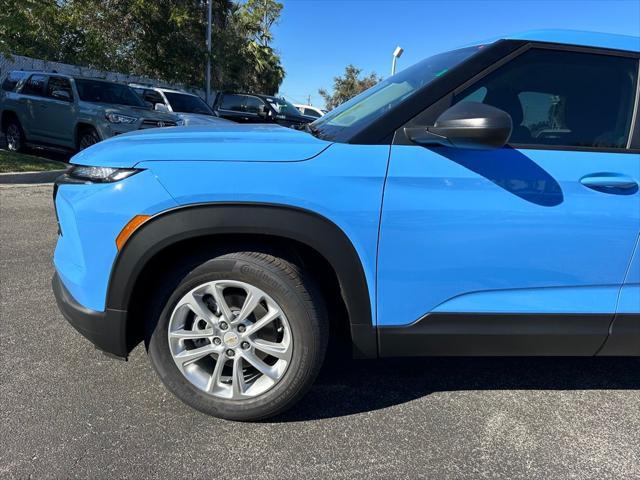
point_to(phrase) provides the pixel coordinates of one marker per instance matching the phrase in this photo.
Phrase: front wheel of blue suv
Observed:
(242, 336)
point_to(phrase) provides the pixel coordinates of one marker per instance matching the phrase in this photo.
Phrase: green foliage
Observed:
(348, 86)
(162, 39)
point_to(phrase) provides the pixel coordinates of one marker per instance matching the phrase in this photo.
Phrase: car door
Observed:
(232, 107)
(523, 249)
(58, 112)
(253, 107)
(32, 106)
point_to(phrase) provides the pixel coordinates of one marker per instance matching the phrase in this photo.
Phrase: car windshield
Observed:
(98, 91)
(283, 107)
(350, 117)
(183, 103)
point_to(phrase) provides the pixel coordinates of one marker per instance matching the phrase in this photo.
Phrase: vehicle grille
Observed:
(157, 123)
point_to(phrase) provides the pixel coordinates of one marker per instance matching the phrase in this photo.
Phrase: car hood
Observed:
(231, 142)
(133, 111)
(197, 119)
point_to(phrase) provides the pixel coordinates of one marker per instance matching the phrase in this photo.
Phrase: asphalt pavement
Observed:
(68, 411)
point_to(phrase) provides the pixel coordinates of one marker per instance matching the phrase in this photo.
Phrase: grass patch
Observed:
(20, 162)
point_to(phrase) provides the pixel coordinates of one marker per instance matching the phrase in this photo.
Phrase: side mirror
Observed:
(466, 125)
(161, 107)
(61, 95)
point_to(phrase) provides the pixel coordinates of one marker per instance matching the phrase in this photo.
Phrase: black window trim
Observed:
(633, 138)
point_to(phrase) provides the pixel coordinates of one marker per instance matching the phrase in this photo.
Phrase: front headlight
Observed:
(86, 174)
(118, 118)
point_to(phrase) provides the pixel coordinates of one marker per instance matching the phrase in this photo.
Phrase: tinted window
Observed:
(59, 84)
(12, 80)
(184, 103)
(152, 97)
(107, 92)
(232, 102)
(35, 85)
(253, 105)
(563, 98)
(311, 113)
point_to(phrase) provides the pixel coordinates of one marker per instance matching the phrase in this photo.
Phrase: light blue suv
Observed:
(482, 202)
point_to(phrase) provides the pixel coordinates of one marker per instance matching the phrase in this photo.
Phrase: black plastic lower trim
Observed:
(482, 334)
(624, 339)
(106, 330)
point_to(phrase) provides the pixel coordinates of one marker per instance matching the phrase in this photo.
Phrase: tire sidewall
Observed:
(304, 330)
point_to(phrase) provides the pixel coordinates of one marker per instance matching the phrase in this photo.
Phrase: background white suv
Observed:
(190, 108)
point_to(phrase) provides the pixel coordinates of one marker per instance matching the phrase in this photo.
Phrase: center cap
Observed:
(231, 339)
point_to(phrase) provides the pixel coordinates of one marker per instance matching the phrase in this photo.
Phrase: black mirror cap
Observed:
(470, 125)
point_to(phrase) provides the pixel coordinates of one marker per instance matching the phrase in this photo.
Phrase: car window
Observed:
(35, 85)
(311, 113)
(355, 114)
(152, 97)
(12, 80)
(232, 102)
(563, 98)
(99, 91)
(59, 84)
(183, 103)
(253, 105)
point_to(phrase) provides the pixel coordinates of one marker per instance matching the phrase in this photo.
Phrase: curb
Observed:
(30, 177)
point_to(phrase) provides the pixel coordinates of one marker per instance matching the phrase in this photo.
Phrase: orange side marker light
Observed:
(129, 228)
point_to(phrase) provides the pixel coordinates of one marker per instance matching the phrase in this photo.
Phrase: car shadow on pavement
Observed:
(346, 387)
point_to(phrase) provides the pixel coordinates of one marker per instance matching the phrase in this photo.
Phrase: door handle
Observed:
(610, 183)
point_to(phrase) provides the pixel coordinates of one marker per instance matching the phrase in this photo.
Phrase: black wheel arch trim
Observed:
(287, 222)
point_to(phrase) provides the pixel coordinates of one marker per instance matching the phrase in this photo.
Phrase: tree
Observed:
(348, 86)
(163, 39)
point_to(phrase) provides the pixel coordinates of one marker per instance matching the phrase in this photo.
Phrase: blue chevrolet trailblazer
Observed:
(481, 202)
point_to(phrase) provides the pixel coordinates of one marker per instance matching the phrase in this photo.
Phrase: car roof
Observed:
(160, 89)
(580, 38)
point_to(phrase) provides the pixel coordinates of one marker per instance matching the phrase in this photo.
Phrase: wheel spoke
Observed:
(195, 303)
(191, 334)
(189, 356)
(278, 350)
(237, 379)
(269, 317)
(250, 303)
(222, 303)
(217, 373)
(259, 365)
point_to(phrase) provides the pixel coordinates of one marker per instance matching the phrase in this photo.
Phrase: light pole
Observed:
(207, 86)
(397, 53)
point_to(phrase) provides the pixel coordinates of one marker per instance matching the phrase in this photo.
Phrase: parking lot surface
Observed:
(68, 411)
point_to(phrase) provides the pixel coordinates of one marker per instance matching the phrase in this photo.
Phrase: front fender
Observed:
(306, 227)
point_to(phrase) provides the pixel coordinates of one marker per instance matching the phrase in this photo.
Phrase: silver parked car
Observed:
(188, 107)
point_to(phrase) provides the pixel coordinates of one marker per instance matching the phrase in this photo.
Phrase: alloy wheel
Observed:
(14, 137)
(230, 339)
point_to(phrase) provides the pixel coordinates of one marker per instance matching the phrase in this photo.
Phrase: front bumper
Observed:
(106, 330)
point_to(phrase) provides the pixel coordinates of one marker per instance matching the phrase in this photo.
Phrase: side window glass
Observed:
(12, 80)
(563, 98)
(253, 105)
(152, 97)
(35, 85)
(232, 102)
(59, 84)
(475, 96)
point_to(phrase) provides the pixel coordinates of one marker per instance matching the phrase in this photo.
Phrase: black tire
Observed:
(16, 140)
(298, 298)
(87, 137)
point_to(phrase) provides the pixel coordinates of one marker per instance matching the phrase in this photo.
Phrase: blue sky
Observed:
(316, 39)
